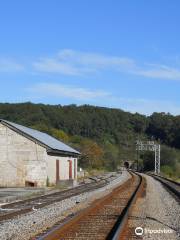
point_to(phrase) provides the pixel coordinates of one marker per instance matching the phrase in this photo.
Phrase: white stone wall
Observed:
(20, 160)
(23, 160)
(63, 168)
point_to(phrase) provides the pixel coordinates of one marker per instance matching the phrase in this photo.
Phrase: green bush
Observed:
(167, 171)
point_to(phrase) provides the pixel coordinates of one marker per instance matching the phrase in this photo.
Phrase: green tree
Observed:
(111, 156)
(92, 154)
(59, 134)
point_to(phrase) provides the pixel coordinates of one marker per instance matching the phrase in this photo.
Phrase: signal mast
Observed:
(151, 146)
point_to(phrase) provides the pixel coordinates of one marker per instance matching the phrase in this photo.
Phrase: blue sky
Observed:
(114, 53)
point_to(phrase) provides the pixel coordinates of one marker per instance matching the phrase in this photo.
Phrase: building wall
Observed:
(63, 168)
(23, 160)
(20, 159)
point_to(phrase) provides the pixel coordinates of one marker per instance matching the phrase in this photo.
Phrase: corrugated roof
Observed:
(43, 138)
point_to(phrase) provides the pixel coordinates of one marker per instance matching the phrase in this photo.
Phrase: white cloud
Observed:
(93, 59)
(9, 65)
(160, 72)
(70, 62)
(54, 66)
(77, 63)
(148, 106)
(64, 91)
(101, 98)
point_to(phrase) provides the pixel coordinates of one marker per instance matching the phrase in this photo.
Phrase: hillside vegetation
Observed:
(105, 136)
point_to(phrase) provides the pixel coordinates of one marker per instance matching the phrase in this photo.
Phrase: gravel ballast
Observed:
(27, 226)
(158, 213)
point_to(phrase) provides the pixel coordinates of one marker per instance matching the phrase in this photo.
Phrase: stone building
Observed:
(31, 158)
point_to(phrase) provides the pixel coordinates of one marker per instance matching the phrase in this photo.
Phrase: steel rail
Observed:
(118, 228)
(12, 210)
(105, 219)
(171, 185)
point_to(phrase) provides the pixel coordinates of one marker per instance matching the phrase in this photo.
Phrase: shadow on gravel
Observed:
(154, 219)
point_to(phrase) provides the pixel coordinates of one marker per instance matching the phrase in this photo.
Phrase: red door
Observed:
(74, 168)
(70, 169)
(57, 171)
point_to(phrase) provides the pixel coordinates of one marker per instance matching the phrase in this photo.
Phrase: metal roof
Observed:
(41, 137)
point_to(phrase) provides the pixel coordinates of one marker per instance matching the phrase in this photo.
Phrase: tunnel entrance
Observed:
(126, 164)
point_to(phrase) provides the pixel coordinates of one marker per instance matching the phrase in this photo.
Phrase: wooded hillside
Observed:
(104, 136)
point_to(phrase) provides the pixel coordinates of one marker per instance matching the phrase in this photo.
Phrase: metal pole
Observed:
(151, 146)
(137, 160)
(159, 169)
(155, 162)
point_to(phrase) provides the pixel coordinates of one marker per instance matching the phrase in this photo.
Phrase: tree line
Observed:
(105, 136)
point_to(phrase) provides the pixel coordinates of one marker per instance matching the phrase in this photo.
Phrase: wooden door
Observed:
(70, 169)
(57, 171)
(75, 165)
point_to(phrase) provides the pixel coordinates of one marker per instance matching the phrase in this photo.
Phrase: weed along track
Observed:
(104, 219)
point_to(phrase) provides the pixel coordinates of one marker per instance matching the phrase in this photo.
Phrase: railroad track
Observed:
(171, 185)
(15, 209)
(106, 218)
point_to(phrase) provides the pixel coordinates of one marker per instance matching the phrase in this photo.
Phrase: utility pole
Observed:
(157, 158)
(137, 166)
(151, 146)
